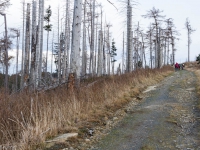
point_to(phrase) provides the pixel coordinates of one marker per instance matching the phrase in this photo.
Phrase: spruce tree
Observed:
(48, 28)
(113, 54)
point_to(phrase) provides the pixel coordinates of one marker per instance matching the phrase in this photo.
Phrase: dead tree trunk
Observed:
(96, 47)
(92, 38)
(17, 58)
(84, 47)
(27, 47)
(129, 39)
(123, 55)
(108, 49)
(52, 53)
(22, 60)
(100, 55)
(104, 53)
(6, 54)
(75, 55)
(173, 51)
(33, 46)
(68, 40)
(189, 32)
(41, 39)
(59, 49)
(158, 49)
(150, 42)
(65, 66)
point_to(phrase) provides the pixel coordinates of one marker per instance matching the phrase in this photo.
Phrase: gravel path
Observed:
(166, 119)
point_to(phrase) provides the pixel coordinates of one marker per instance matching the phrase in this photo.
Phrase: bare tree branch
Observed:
(4, 4)
(112, 4)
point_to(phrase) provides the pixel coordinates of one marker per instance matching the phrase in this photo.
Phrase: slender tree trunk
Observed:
(143, 52)
(129, 39)
(123, 55)
(22, 62)
(168, 51)
(68, 39)
(66, 42)
(156, 57)
(33, 46)
(158, 49)
(93, 38)
(6, 56)
(84, 48)
(52, 54)
(17, 58)
(108, 50)
(165, 56)
(188, 46)
(75, 54)
(38, 36)
(41, 39)
(95, 49)
(151, 57)
(100, 55)
(113, 66)
(173, 52)
(46, 65)
(27, 47)
(59, 49)
(104, 53)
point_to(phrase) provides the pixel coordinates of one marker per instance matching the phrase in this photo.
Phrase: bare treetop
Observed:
(3, 5)
(188, 26)
(154, 13)
(189, 32)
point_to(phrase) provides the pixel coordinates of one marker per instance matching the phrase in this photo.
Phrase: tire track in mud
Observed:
(166, 119)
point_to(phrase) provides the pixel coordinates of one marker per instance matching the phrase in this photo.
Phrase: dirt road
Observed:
(166, 119)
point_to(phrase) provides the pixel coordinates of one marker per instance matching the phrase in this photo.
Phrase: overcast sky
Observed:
(178, 10)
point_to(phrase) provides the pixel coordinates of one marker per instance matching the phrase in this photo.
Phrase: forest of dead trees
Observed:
(83, 47)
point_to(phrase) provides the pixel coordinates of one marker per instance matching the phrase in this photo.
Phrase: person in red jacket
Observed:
(177, 66)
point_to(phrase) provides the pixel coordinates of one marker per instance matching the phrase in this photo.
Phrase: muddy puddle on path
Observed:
(166, 119)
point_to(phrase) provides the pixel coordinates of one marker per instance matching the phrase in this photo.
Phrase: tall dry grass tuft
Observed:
(194, 67)
(27, 120)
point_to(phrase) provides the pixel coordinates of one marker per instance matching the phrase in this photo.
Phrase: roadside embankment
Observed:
(30, 119)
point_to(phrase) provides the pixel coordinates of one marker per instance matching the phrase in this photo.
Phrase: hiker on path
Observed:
(182, 66)
(177, 66)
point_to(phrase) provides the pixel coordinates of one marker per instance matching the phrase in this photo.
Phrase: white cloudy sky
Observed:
(179, 10)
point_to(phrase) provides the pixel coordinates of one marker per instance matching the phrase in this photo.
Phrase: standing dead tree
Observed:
(67, 41)
(3, 5)
(6, 53)
(84, 46)
(171, 34)
(108, 47)
(155, 14)
(22, 59)
(76, 28)
(33, 46)
(92, 14)
(17, 35)
(129, 60)
(189, 32)
(149, 38)
(27, 46)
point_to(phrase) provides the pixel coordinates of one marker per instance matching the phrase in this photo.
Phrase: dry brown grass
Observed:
(27, 120)
(193, 66)
(197, 72)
